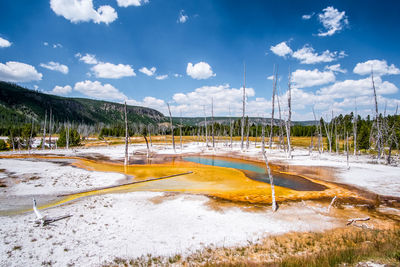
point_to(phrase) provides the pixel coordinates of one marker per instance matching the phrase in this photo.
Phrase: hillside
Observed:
(18, 105)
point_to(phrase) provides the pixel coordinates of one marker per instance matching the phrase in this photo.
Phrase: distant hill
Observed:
(192, 121)
(18, 105)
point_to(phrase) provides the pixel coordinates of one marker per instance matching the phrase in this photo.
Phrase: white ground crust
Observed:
(53, 178)
(129, 225)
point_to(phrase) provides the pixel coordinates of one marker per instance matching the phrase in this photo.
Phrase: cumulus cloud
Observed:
(150, 102)
(182, 17)
(355, 88)
(335, 68)
(112, 71)
(307, 55)
(55, 66)
(57, 46)
(148, 72)
(162, 77)
(332, 20)
(88, 58)
(380, 67)
(126, 3)
(83, 11)
(199, 71)
(281, 49)
(97, 90)
(307, 78)
(4, 42)
(61, 90)
(14, 71)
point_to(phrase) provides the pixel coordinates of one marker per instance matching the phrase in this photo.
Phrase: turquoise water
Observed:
(255, 172)
(226, 163)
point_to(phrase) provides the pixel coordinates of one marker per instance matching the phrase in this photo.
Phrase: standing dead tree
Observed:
(50, 129)
(273, 107)
(180, 130)
(347, 150)
(205, 125)
(44, 131)
(230, 126)
(328, 135)
(377, 122)
(281, 139)
(271, 179)
(318, 131)
(244, 109)
(288, 125)
(67, 136)
(126, 137)
(355, 128)
(172, 128)
(212, 122)
(247, 132)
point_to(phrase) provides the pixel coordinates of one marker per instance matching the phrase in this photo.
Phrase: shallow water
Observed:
(258, 173)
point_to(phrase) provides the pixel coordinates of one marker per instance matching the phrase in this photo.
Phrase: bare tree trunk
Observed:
(44, 131)
(244, 109)
(205, 125)
(180, 131)
(50, 129)
(247, 133)
(328, 134)
(262, 139)
(347, 149)
(172, 128)
(321, 142)
(30, 137)
(316, 126)
(67, 136)
(126, 137)
(281, 140)
(12, 140)
(271, 178)
(148, 148)
(336, 139)
(289, 116)
(149, 130)
(230, 131)
(255, 142)
(273, 108)
(212, 122)
(378, 139)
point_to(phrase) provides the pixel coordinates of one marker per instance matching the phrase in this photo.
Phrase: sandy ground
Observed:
(133, 224)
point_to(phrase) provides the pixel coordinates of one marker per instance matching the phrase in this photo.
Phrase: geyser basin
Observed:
(256, 172)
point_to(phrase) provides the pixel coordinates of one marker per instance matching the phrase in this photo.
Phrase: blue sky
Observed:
(189, 52)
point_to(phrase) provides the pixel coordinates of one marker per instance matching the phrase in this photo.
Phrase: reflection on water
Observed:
(258, 173)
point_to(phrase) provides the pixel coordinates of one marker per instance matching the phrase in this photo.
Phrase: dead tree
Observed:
(44, 130)
(230, 126)
(172, 128)
(50, 129)
(180, 130)
(149, 132)
(377, 122)
(271, 179)
(147, 145)
(355, 129)
(205, 125)
(30, 137)
(328, 135)
(247, 133)
(273, 107)
(281, 140)
(255, 142)
(347, 149)
(289, 117)
(126, 137)
(244, 109)
(262, 139)
(212, 122)
(317, 130)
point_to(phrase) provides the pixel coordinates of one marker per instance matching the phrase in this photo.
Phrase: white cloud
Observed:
(307, 16)
(83, 11)
(307, 55)
(162, 77)
(281, 49)
(4, 42)
(112, 71)
(88, 58)
(126, 3)
(177, 75)
(307, 78)
(356, 88)
(380, 67)
(18, 72)
(332, 20)
(61, 90)
(97, 90)
(182, 17)
(192, 103)
(57, 46)
(150, 102)
(335, 68)
(148, 72)
(270, 77)
(199, 71)
(45, 43)
(55, 66)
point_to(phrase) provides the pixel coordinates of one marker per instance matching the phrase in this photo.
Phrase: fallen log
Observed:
(136, 182)
(350, 221)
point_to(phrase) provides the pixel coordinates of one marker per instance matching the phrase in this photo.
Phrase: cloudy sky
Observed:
(150, 52)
